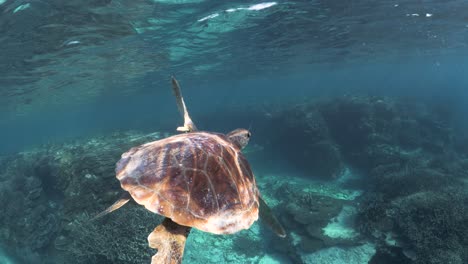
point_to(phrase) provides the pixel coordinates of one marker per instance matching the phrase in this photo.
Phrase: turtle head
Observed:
(240, 137)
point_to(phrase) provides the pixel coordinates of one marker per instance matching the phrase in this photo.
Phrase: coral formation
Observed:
(47, 189)
(95, 241)
(404, 149)
(306, 212)
(342, 225)
(302, 133)
(337, 255)
(407, 151)
(435, 224)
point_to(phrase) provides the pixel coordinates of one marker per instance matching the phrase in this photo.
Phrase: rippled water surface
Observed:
(67, 52)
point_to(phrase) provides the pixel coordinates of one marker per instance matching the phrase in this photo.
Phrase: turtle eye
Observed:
(248, 134)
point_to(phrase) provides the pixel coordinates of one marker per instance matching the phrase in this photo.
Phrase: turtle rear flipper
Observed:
(169, 239)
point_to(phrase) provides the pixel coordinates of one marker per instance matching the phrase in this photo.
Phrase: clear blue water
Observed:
(75, 60)
(71, 71)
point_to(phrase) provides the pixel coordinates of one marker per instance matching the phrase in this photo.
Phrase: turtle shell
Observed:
(197, 179)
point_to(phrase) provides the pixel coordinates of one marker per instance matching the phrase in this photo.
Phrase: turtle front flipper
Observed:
(267, 216)
(119, 203)
(169, 239)
(189, 126)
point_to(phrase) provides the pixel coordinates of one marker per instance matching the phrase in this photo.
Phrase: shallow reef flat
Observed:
(353, 180)
(51, 192)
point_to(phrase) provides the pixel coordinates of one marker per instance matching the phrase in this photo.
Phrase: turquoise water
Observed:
(357, 112)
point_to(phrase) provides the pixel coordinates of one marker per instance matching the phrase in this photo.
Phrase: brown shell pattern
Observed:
(197, 179)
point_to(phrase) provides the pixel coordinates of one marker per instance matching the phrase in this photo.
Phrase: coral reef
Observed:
(406, 149)
(302, 133)
(337, 255)
(427, 226)
(379, 180)
(373, 131)
(320, 137)
(95, 241)
(435, 224)
(47, 191)
(407, 152)
(22, 192)
(306, 213)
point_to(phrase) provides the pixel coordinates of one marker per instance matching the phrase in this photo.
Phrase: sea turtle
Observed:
(195, 179)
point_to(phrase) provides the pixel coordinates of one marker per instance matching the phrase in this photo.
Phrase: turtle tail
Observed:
(119, 203)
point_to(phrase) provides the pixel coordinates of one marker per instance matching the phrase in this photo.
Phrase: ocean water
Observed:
(357, 111)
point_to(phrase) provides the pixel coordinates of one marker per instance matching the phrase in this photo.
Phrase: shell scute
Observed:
(175, 190)
(202, 196)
